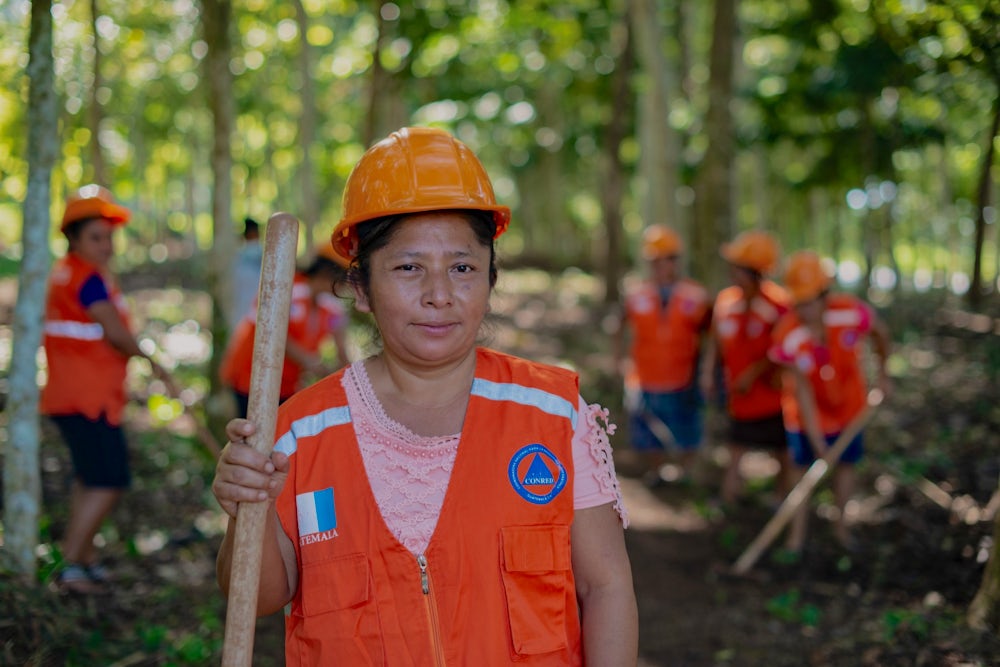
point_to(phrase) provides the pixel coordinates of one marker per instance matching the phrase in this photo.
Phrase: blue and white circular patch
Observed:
(536, 474)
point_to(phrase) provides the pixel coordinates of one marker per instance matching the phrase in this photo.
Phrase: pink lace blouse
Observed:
(409, 473)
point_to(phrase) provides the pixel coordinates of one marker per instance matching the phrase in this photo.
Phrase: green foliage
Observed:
(790, 608)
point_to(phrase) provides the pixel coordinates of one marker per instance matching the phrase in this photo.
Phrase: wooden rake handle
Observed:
(273, 303)
(803, 490)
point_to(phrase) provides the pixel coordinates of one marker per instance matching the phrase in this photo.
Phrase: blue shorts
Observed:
(802, 453)
(98, 449)
(679, 410)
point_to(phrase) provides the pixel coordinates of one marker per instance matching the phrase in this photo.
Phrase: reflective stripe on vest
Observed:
(74, 330)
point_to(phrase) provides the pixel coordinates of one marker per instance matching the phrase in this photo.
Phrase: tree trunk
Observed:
(661, 146)
(714, 205)
(95, 114)
(975, 296)
(21, 477)
(215, 21)
(307, 127)
(613, 188)
(984, 611)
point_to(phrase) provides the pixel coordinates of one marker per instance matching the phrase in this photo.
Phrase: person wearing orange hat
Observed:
(743, 317)
(666, 317)
(315, 315)
(819, 345)
(438, 502)
(88, 342)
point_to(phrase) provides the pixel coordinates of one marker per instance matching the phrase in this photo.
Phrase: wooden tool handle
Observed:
(273, 303)
(803, 490)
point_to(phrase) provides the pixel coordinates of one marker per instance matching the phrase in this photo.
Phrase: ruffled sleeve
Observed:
(595, 480)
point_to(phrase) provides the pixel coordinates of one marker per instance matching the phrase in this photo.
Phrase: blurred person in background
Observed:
(665, 317)
(819, 345)
(743, 318)
(315, 315)
(246, 272)
(88, 343)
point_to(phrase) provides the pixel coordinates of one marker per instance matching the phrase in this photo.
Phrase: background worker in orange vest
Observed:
(743, 317)
(666, 317)
(315, 315)
(438, 502)
(819, 344)
(87, 347)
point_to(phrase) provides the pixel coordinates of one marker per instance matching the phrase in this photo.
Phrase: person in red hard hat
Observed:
(666, 317)
(819, 344)
(438, 502)
(743, 317)
(88, 343)
(315, 315)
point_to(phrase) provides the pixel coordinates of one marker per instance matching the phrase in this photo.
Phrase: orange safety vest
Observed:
(86, 375)
(833, 370)
(666, 339)
(495, 585)
(308, 325)
(743, 333)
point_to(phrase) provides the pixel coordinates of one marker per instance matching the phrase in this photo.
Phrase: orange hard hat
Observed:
(93, 201)
(660, 241)
(413, 170)
(805, 276)
(755, 250)
(327, 251)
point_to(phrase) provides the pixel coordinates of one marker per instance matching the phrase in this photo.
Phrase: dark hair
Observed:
(250, 228)
(73, 230)
(376, 234)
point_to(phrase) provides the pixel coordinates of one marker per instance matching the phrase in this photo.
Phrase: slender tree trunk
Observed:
(21, 477)
(714, 206)
(613, 189)
(95, 114)
(215, 21)
(975, 296)
(376, 84)
(660, 142)
(307, 126)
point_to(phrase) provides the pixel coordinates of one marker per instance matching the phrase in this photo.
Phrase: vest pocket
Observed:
(536, 578)
(339, 583)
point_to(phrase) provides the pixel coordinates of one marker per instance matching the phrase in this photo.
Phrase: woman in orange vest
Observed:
(743, 318)
(87, 346)
(819, 344)
(665, 317)
(438, 502)
(315, 314)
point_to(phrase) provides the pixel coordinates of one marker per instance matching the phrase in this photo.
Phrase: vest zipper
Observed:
(432, 615)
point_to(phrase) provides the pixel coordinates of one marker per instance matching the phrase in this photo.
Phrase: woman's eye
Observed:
(464, 268)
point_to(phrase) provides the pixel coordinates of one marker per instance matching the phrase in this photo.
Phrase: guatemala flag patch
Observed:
(317, 516)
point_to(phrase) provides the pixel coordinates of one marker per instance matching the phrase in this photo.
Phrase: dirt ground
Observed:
(899, 600)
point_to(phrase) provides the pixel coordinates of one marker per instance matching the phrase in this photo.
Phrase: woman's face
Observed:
(93, 242)
(429, 289)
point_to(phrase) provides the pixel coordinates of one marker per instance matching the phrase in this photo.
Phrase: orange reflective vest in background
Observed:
(308, 325)
(86, 374)
(743, 334)
(666, 339)
(495, 585)
(832, 367)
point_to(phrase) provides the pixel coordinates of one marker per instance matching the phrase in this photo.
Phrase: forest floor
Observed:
(922, 514)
